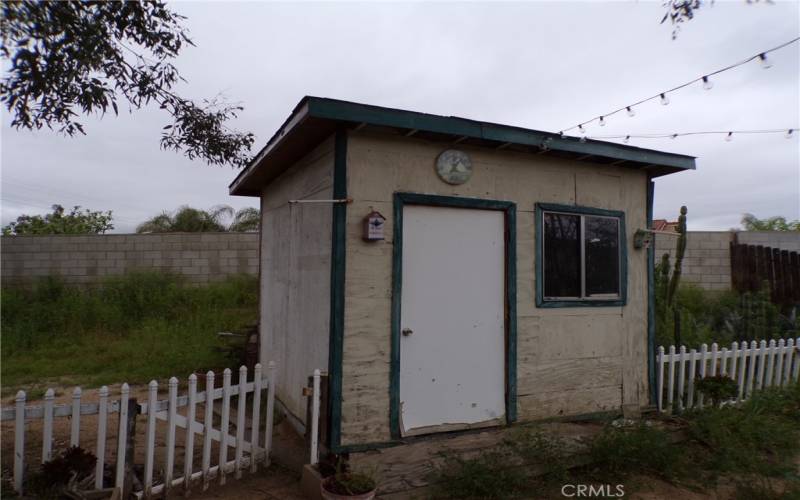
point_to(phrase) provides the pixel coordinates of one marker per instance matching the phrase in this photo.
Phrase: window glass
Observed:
(601, 239)
(562, 255)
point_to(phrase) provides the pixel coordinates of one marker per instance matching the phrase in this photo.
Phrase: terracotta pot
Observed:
(327, 495)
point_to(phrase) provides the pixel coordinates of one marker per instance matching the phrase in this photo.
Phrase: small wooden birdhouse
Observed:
(373, 226)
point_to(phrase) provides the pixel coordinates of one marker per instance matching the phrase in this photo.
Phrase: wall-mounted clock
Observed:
(454, 166)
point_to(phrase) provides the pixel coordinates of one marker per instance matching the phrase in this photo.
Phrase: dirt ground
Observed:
(279, 481)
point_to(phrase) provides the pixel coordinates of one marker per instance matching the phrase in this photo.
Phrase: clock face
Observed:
(454, 166)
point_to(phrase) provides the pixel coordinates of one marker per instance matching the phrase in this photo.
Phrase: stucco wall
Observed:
(570, 360)
(295, 274)
(86, 260)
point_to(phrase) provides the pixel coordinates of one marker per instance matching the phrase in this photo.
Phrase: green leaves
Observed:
(75, 57)
(192, 220)
(776, 223)
(77, 221)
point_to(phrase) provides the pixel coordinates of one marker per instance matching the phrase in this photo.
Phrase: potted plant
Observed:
(346, 484)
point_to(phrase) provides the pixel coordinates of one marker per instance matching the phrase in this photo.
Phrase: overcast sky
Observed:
(542, 65)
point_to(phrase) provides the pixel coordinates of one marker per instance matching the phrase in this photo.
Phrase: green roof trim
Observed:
(362, 113)
(316, 117)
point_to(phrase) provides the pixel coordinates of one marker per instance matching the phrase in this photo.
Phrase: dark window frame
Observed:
(582, 301)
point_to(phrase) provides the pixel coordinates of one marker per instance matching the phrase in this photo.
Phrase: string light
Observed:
(630, 110)
(707, 84)
(581, 130)
(788, 133)
(602, 122)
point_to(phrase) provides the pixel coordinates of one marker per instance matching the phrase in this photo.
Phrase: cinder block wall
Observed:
(707, 262)
(785, 240)
(86, 260)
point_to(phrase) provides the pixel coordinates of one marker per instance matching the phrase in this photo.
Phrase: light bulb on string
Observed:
(707, 84)
(630, 111)
(664, 100)
(602, 122)
(789, 133)
(627, 139)
(673, 136)
(581, 130)
(765, 63)
(729, 137)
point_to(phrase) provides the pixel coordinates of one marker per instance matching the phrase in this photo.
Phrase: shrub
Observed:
(718, 388)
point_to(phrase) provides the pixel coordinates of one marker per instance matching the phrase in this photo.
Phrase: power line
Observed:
(707, 84)
(788, 133)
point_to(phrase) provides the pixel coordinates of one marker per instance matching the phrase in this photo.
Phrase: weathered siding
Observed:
(87, 260)
(570, 360)
(295, 274)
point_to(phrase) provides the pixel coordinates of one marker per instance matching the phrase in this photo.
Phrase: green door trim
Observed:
(651, 297)
(336, 327)
(510, 210)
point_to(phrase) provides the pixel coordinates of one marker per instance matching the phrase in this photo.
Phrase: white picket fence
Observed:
(753, 367)
(248, 452)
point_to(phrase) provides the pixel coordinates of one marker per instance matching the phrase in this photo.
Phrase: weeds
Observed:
(133, 327)
(758, 439)
(490, 475)
(550, 453)
(752, 446)
(619, 452)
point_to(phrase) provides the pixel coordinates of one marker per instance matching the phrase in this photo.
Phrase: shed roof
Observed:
(316, 118)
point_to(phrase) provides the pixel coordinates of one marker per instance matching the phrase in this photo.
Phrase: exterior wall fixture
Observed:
(643, 238)
(374, 223)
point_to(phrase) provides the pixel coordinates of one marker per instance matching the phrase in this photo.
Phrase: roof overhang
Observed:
(314, 119)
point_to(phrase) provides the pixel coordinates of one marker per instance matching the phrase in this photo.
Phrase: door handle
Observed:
(407, 332)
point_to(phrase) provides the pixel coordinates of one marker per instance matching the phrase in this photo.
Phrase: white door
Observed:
(452, 345)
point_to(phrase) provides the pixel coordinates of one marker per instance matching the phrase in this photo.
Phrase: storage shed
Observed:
(451, 274)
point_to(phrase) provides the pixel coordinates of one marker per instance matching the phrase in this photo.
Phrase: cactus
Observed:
(680, 251)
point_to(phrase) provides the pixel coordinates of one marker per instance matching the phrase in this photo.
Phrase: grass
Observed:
(754, 447)
(755, 444)
(132, 328)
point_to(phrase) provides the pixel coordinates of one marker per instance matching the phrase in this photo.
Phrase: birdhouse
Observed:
(373, 226)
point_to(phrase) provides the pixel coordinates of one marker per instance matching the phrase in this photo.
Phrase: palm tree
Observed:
(192, 220)
(246, 220)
